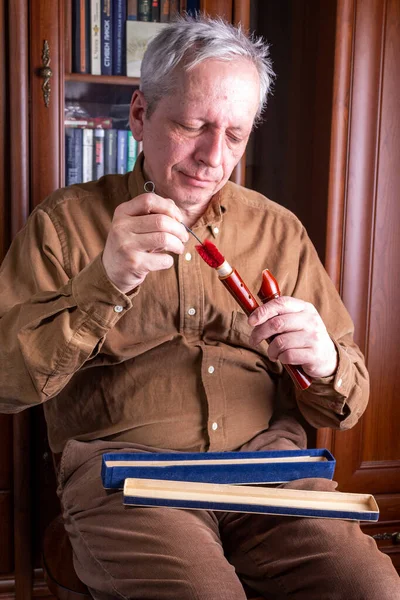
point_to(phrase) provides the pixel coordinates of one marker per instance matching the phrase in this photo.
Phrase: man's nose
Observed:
(210, 148)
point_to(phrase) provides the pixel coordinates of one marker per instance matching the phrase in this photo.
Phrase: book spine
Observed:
(85, 36)
(110, 151)
(144, 10)
(76, 28)
(192, 7)
(87, 155)
(106, 37)
(132, 10)
(73, 156)
(174, 9)
(95, 28)
(98, 153)
(119, 37)
(164, 11)
(81, 36)
(155, 11)
(122, 151)
(132, 151)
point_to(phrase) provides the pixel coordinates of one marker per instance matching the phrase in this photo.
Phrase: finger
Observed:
(146, 204)
(159, 241)
(291, 346)
(157, 223)
(309, 324)
(279, 306)
(146, 262)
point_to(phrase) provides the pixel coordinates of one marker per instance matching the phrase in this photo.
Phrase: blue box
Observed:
(270, 467)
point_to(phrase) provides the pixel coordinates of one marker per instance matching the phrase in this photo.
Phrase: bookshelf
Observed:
(51, 22)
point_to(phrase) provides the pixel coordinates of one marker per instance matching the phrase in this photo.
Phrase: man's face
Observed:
(195, 137)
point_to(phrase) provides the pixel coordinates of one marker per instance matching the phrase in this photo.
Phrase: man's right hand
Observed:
(142, 231)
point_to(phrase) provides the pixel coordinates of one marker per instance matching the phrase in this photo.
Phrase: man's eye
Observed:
(189, 128)
(234, 139)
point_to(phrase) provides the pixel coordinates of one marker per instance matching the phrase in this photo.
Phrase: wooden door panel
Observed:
(368, 249)
(47, 133)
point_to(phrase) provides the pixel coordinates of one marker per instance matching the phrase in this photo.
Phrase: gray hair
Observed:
(189, 41)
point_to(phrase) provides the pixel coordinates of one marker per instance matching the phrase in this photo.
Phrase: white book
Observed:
(95, 41)
(138, 35)
(87, 155)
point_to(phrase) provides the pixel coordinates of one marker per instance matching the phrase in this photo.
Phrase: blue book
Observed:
(119, 37)
(122, 151)
(272, 466)
(106, 37)
(110, 151)
(192, 7)
(250, 499)
(73, 155)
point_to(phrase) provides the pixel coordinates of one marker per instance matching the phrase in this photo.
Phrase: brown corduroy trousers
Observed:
(171, 554)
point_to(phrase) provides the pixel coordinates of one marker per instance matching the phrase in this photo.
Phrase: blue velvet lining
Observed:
(238, 473)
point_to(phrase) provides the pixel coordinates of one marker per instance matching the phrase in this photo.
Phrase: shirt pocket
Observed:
(239, 336)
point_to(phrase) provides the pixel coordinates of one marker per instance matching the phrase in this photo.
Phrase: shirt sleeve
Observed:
(50, 323)
(337, 401)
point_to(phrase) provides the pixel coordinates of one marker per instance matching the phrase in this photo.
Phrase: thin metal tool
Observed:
(192, 232)
(150, 187)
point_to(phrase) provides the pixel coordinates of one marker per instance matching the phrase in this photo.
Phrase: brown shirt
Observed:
(170, 365)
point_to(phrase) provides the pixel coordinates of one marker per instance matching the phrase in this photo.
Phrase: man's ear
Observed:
(137, 114)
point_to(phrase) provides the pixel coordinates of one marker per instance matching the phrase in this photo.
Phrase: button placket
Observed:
(215, 394)
(191, 295)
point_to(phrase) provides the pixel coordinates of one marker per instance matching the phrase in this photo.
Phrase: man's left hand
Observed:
(299, 335)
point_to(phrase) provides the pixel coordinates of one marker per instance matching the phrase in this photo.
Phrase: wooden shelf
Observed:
(103, 79)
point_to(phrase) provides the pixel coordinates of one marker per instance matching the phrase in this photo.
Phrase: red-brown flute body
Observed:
(239, 290)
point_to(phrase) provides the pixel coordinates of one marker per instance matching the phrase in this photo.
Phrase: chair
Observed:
(58, 567)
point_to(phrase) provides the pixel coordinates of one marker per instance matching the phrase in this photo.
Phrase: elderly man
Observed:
(112, 320)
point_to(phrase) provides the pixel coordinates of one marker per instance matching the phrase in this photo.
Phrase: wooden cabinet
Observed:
(329, 150)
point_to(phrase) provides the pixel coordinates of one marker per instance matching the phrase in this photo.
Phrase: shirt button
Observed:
(214, 426)
(188, 256)
(118, 308)
(191, 311)
(216, 230)
(211, 369)
(339, 383)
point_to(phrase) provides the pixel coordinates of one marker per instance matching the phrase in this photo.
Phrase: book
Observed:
(138, 35)
(174, 9)
(87, 155)
(106, 37)
(81, 36)
(122, 151)
(272, 466)
(132, 10)
(250, 499)
(118, 37)
(164, 11)
(155, 11)
(98, 153)
(110, 151)
(73, 155)
(144, 10)
(95, 41)
(132, 151)
(192, 7)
